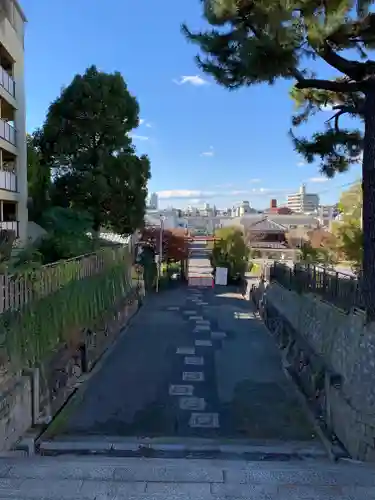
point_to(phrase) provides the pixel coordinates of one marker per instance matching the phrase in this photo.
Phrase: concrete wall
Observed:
(333, 356)
(12, 38)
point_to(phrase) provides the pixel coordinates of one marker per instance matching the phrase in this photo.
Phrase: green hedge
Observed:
(34, 331)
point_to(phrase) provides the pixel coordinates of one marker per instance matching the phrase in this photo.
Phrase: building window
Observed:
(9, 211)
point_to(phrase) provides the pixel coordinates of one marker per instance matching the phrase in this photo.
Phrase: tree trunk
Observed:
(368, 214)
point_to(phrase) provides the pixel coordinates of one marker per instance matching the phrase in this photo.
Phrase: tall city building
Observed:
(154, 201)
(303, 202)
(13, 162)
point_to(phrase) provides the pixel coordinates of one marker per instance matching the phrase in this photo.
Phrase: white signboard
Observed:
(221, 276)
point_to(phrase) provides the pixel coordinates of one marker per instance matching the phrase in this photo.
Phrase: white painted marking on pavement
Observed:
(203, 343)
(202, 328)
(192, 403)
(193, 376)
(194, 360)
(206, 420)
(181, 390)
(187, 351)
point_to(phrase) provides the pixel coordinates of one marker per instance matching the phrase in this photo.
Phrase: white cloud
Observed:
(190, 194)
(301, 163)
(144, 122)
(139, 137)
(255, 181)
(196, 80)
(209, 152)
(183, 193)
(318, 179)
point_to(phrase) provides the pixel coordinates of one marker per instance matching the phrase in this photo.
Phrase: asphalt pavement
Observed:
(193, 363)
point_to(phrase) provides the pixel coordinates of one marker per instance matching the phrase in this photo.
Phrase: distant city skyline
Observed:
(258, 200)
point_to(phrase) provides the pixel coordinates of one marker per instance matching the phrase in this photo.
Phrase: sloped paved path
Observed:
(244, 393)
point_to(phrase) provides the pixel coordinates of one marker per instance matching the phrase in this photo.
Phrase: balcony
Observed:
(10, 226)
(8, 181)
(7, 132)
(7, 82)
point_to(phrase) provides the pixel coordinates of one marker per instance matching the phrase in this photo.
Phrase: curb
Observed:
(157, 448)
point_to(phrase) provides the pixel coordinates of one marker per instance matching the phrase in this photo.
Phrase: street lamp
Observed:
(160, 251)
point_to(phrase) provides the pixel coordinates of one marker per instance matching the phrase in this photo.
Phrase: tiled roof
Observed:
(267, 225)
(269, 244)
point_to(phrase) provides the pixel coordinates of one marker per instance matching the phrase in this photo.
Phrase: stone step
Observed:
(72, 477)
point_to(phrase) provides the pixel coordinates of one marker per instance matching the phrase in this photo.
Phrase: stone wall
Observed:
(332, 357)
(35, 396)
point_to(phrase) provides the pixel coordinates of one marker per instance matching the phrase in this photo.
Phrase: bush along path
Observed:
(63, 326)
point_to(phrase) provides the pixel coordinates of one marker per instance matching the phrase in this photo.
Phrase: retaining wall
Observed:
(331, 354)
(33, 397)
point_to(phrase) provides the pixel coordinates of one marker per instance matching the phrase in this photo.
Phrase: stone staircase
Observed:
(86, 477)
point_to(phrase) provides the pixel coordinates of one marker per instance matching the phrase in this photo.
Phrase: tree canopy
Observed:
(259, 41)
(230, 251)
(348, 231)
(85, 141)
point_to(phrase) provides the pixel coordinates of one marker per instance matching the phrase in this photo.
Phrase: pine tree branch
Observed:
(345, 66)
(312, 83)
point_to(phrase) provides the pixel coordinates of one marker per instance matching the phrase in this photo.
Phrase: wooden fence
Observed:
(20, 289)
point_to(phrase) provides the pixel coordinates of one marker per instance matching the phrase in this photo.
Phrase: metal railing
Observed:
(7, 132)
(342, 290)
(7, 82)
(8, 180)
(10, 226)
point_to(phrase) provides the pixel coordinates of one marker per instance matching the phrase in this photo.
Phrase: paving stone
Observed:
(202, 328)
(191, 472)
(173, 308)
(196, 490)
(205, 420)
(192, 403)
(194, 360)
(218, 335)
(186, 350)
(203, 343)
(190, 312)
(181, 390)
(292, 476)
(203, 322)
(111, 489)
(193, 376)
(248, 491)
(45, 489)
(65, 470)
(196, 317)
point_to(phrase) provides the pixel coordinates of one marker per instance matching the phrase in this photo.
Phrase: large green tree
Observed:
(230, 251)
(87, 145)
(38, 177)
(259, 41)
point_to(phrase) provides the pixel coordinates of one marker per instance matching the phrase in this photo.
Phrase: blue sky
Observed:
(205, 143)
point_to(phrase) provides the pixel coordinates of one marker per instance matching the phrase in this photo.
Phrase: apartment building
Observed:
(13, 161)
(303, 202)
